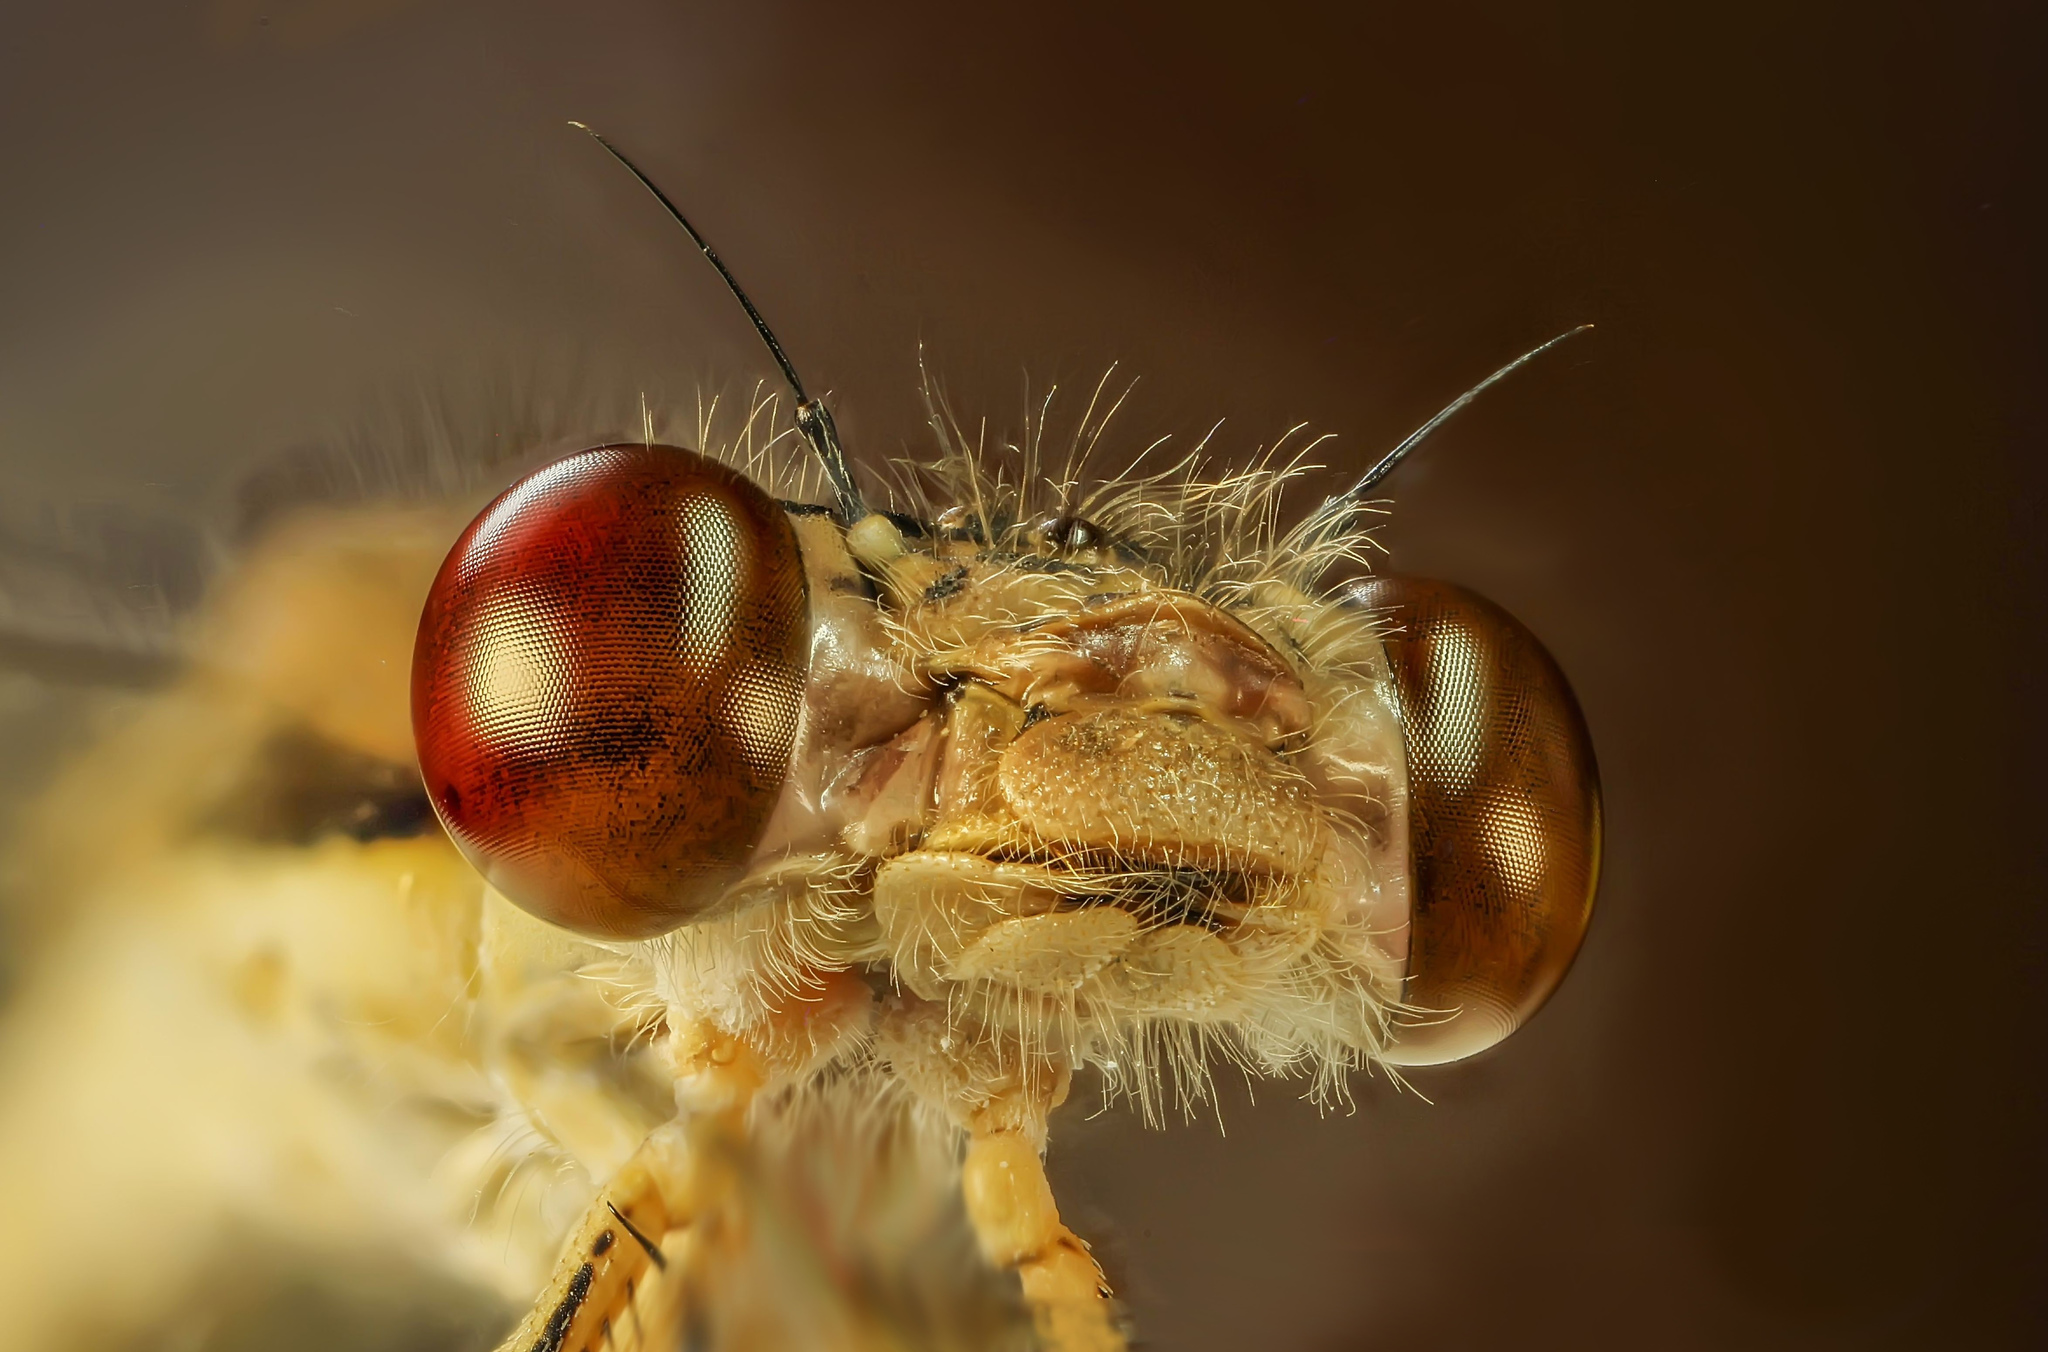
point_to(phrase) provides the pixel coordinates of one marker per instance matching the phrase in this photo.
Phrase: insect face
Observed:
(1054, 803)
(950, 803)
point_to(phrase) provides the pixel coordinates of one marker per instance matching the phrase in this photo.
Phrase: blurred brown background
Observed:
(1778, 517)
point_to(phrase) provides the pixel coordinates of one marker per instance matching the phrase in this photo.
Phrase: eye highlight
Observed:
(1504, 816)
(607, 682)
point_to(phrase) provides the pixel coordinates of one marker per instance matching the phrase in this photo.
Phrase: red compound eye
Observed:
(606, 686)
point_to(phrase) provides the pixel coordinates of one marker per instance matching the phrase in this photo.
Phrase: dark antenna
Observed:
(1352, 500)
(813, 419)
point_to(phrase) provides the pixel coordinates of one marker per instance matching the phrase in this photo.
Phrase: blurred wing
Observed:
(98, 597)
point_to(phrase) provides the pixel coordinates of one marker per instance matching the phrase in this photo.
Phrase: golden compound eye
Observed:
(606, 686)
(1504, 821)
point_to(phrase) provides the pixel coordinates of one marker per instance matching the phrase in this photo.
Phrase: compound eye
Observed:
(1504, 816)
(606, 686)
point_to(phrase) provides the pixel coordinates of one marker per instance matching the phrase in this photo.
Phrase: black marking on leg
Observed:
(603, 1244)
(652, 1252)
(552, 1336)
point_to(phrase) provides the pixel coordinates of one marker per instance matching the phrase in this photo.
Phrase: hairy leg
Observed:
(1011, 1206)
(669, 1184)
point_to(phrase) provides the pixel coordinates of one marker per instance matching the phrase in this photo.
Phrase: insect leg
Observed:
(608, 1255)
(618, 1247)
(1010, 1203)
